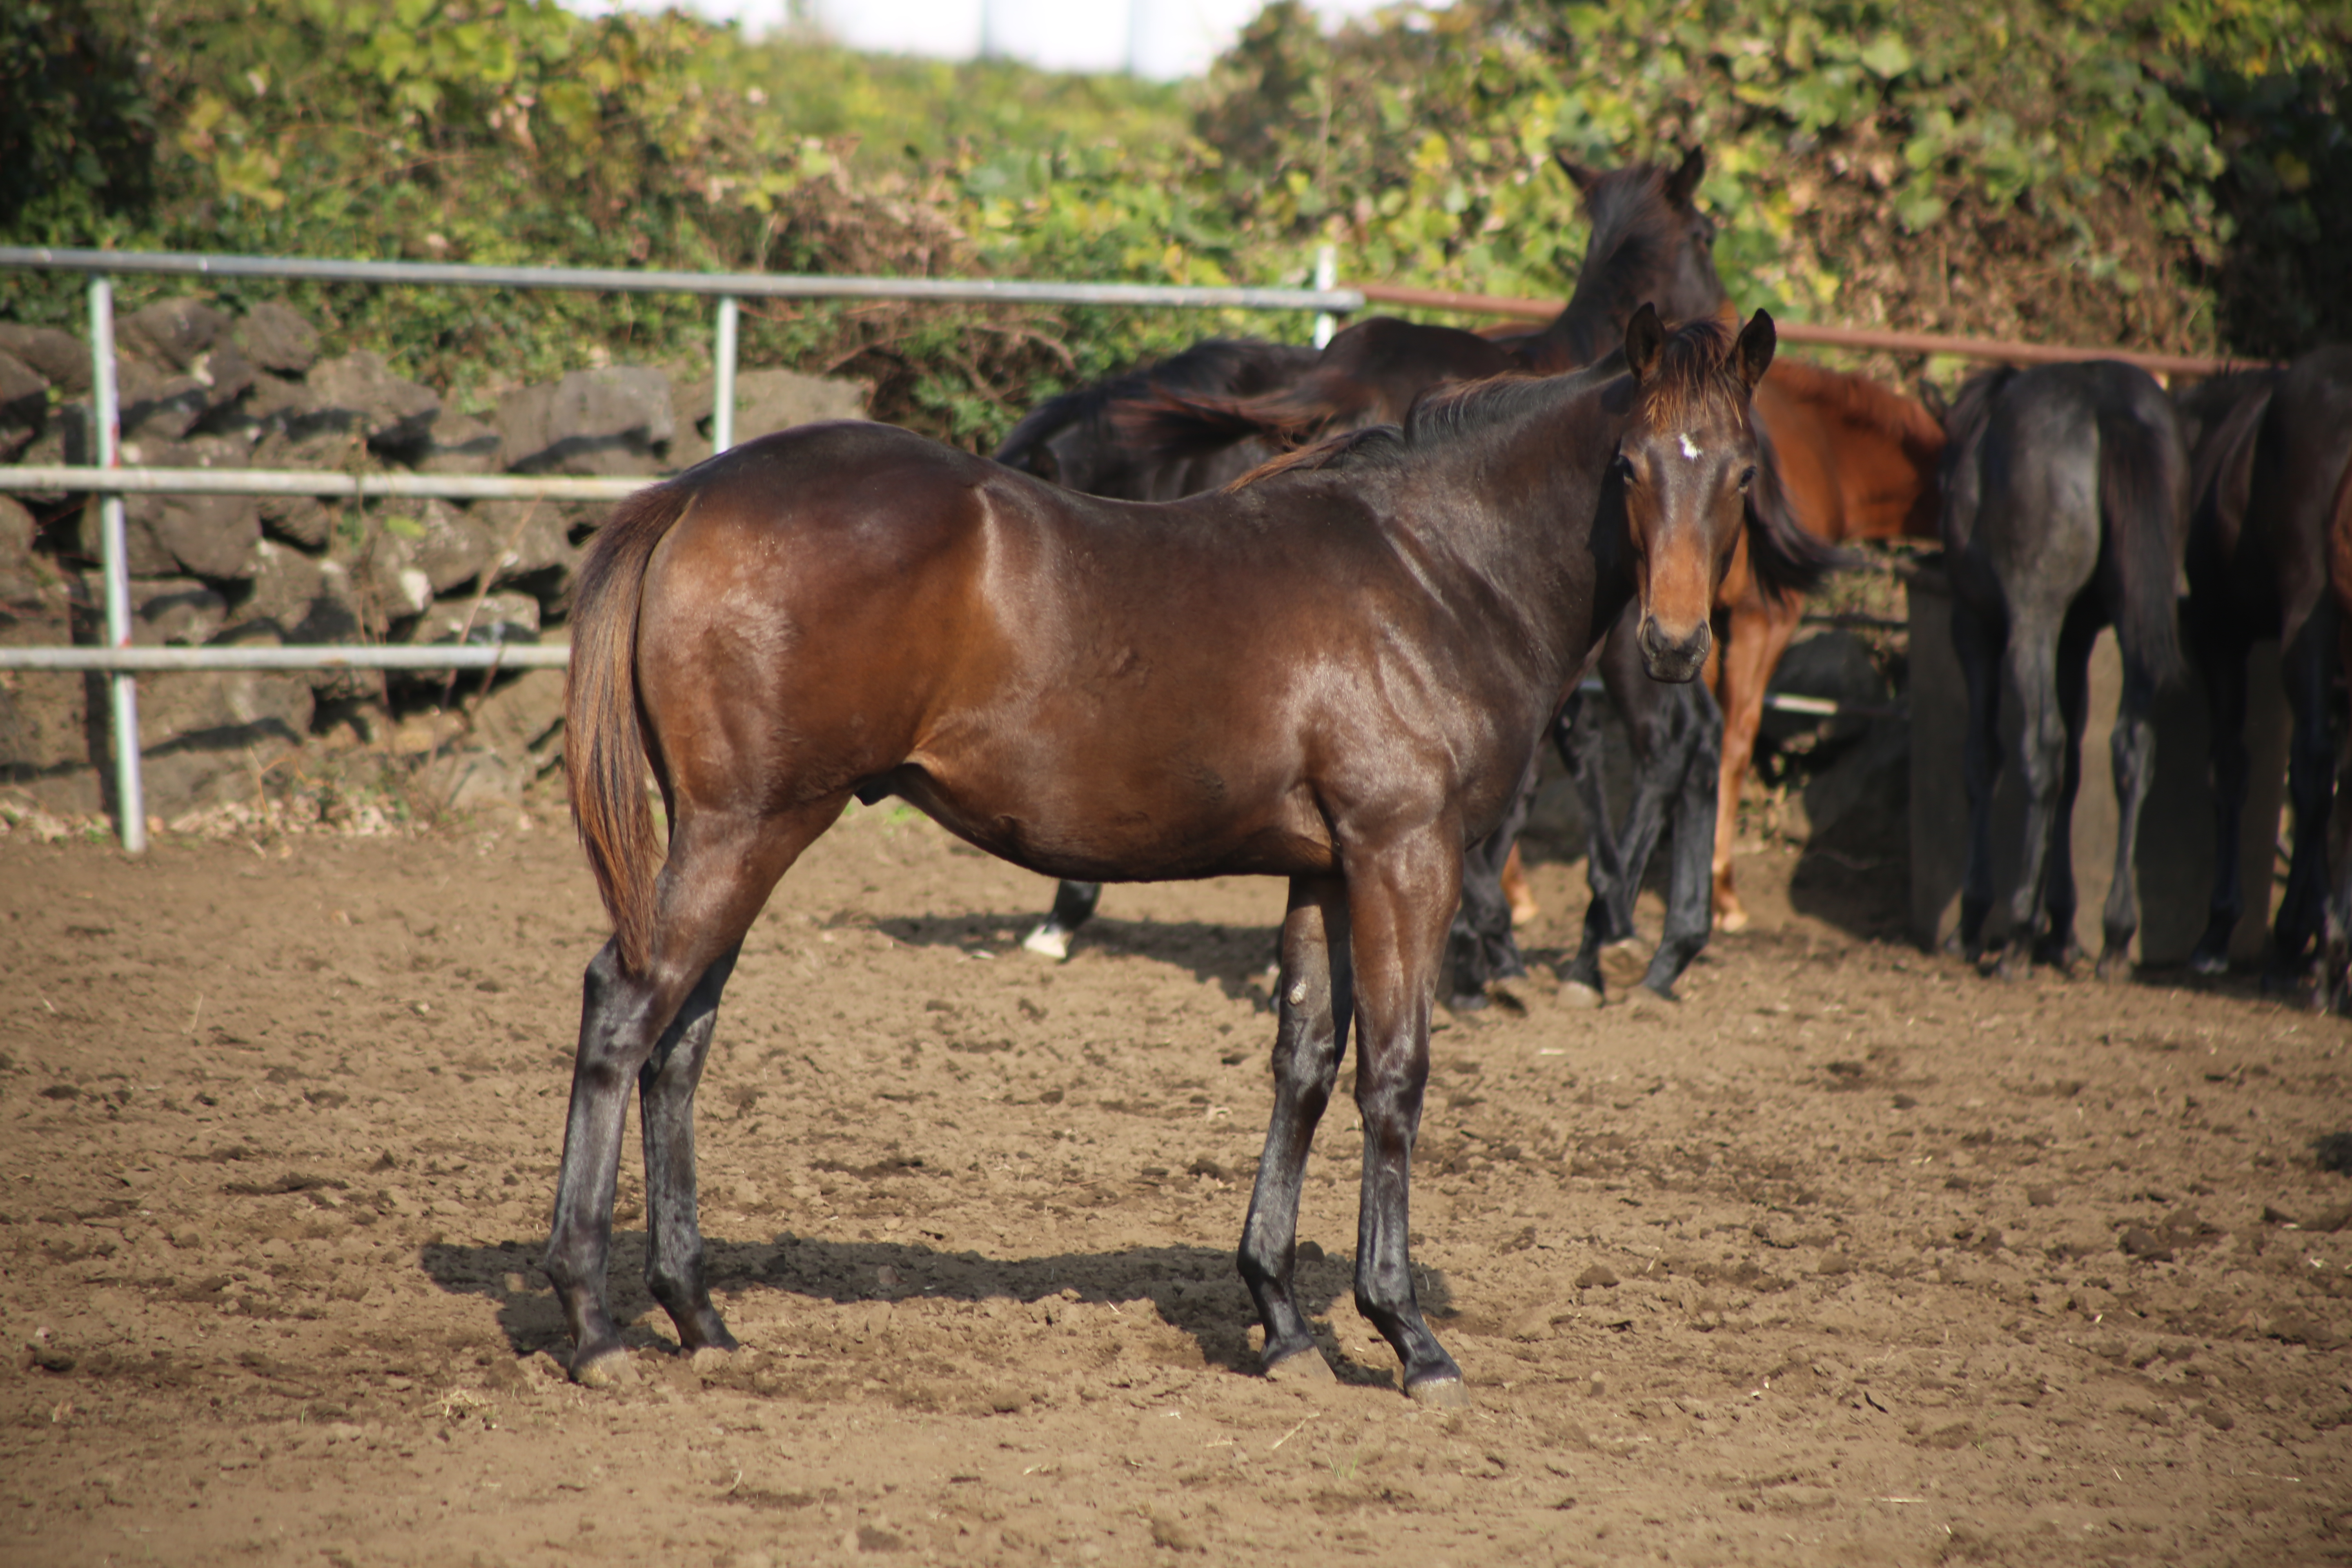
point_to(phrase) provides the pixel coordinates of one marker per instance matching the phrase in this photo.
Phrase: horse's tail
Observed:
(1786, 556)
(2143, 497)
(605, 750)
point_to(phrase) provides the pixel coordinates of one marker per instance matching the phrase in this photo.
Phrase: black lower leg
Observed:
(1310, 1038)
(665, 1085)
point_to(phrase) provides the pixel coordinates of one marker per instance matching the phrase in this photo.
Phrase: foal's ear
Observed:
(1582, 178)
(1754, 350)
(1644, 334)
(1683, 184)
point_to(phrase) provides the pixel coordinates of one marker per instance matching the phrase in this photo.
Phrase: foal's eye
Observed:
(1746, 474)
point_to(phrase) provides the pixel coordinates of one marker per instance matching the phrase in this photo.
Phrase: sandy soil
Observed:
(1850, 1256)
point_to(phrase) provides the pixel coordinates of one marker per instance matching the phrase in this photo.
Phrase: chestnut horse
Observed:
(1333, 673)
(1854, 460)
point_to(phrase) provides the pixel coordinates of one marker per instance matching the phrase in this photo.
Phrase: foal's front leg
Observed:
(1398, 902)
(1311, 1037)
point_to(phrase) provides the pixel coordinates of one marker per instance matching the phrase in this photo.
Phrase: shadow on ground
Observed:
(1195, 1289)
(1230, 956)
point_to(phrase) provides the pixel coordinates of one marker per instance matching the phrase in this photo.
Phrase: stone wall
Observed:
(204, 388)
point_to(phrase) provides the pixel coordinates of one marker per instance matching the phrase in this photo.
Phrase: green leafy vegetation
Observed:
(2160, 172)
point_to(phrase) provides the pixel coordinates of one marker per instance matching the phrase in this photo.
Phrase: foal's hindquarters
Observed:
(2064, 497)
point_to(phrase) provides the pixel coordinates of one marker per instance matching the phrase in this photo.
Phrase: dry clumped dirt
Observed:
(1850, 1257)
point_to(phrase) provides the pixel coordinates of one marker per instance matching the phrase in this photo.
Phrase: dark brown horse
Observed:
(1333, 673)
(2271, 452)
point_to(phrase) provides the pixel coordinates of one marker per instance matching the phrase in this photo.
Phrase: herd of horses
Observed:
(1264, 609)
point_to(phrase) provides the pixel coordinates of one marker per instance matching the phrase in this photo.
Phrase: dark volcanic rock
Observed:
(174, 610)
(616, 420)
(275, 337)
(175, 331)
(394, 416)
(60, 356)
(24, 405)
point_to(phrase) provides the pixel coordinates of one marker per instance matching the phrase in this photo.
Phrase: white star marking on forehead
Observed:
(1688, 450)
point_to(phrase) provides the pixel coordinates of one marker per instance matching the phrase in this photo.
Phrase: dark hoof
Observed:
(1467, 1002)
(1300, 1366)
(2209, 963)
(2013, 965)
(608, 1367)
(1443, 1392)
(2113, 966)
(1664, 990)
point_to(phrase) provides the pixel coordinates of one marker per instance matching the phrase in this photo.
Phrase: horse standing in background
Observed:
(1172, 425)
(2064, 495)
(2270, 533)
(1334, 673)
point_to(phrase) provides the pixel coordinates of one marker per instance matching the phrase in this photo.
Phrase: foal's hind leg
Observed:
(665, 1086)
(718, 874)
(2133, 749)
(2041, 766)
(1480, 948)
(2310, 778)
(1074, 906)
(2058, 946)
(1976, 643)
(2223, 659)
(1311, 1036)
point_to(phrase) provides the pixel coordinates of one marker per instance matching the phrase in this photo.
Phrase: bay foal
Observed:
(1334, 671)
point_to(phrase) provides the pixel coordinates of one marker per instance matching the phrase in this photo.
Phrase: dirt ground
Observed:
(1850, 1256)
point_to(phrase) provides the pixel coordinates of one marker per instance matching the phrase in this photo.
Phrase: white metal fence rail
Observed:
(108, 480)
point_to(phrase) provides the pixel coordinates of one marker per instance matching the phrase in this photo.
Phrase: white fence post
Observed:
(122, 687)
(1327, 277)
(722, 376)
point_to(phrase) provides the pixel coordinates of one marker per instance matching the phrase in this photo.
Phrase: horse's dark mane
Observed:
(1694, 363)
(1208, 366)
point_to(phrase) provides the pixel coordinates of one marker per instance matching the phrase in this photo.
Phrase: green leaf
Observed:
(1888, 57)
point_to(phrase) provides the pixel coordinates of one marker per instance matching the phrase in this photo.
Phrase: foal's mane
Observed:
(1208, 366)
(1695, 365)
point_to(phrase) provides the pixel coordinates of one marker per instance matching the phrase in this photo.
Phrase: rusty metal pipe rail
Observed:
(1991, 349)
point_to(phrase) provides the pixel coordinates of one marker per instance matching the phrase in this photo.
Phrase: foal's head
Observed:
(1686, 460)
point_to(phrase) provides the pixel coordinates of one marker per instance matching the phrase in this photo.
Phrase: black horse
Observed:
(2065, 490)
(2270, 450)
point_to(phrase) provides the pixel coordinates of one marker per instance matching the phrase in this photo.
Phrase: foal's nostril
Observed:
(1671, 658)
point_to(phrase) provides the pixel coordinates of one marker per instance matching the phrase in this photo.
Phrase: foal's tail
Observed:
(604, 751)
(2143, 510)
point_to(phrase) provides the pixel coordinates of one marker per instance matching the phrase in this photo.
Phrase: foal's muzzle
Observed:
(1670, 658)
